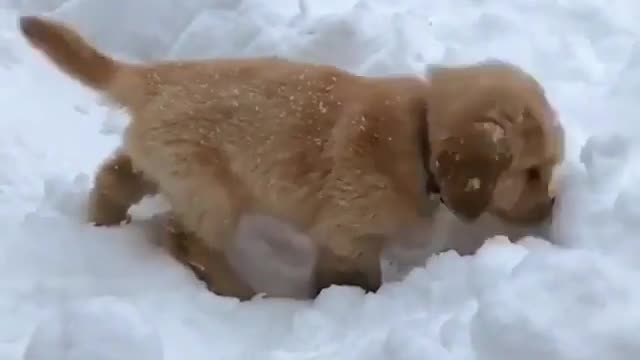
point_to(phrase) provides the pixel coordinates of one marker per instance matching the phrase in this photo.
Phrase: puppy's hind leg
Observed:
(274, 257)
(209, 203)
(117, 186)
(208, 265)
(266, 256)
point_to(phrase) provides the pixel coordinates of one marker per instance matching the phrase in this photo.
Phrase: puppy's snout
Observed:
(553, 201)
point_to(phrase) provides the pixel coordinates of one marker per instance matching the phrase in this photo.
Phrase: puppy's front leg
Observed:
(117, 187)
(351, 243)
(350, 259)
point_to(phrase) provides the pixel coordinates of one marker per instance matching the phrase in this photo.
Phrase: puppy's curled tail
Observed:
(82, 61)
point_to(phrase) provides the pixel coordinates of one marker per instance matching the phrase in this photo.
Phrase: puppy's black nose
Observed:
(553, 201)
(441, 200)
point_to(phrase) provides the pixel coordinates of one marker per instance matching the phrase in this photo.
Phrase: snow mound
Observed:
(85, 330)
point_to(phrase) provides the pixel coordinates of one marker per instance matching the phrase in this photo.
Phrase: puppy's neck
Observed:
(414, 89)
(432, 187)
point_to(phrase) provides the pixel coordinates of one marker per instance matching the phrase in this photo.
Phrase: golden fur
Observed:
(341, 157)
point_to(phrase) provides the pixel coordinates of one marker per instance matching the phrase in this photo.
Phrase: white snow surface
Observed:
(70, 291)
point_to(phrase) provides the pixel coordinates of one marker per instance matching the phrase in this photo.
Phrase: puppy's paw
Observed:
(187, 249)
(103, 212)
(109, 221)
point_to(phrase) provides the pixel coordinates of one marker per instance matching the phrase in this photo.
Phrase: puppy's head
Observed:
(494, 142)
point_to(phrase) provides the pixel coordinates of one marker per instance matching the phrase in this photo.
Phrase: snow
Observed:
(81, 329)
(69, 291)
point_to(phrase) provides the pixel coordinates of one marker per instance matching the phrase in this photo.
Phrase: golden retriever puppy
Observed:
(343, 158)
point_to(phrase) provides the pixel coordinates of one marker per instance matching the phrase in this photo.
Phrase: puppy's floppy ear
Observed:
(468, 165)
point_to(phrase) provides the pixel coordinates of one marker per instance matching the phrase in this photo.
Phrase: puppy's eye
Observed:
(533, 174)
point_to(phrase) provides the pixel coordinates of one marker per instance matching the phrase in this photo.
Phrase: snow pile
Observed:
(70, 291)
(85, 330)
